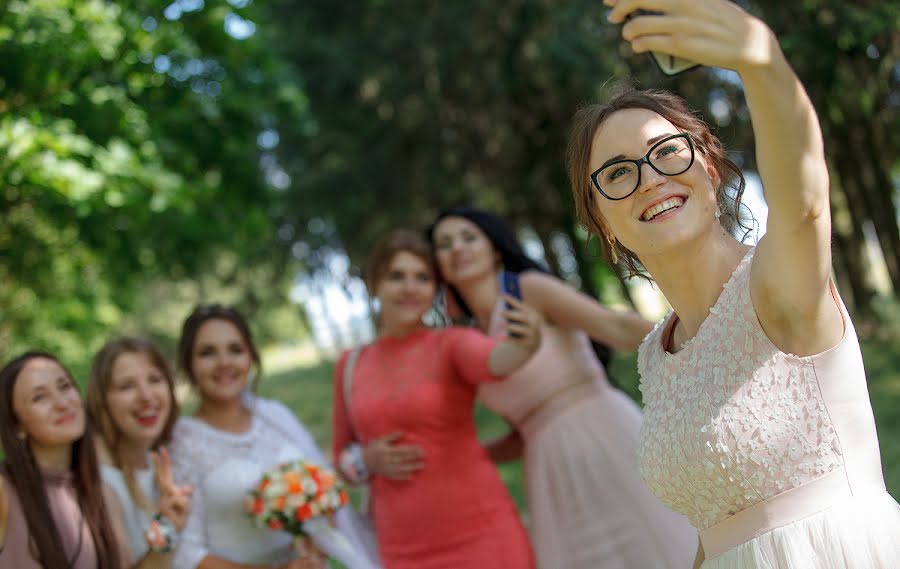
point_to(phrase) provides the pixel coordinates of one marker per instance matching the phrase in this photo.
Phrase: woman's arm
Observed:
(790, 278)
(523, 338)
(506, 448)
(342, 434)
(566, 307)
(116, 511)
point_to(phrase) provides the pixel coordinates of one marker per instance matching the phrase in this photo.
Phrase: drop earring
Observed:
(612, 249)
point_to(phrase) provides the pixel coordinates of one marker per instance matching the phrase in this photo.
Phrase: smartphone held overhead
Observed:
(667, 63)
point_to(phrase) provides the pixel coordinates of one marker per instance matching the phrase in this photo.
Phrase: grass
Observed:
(307, 390)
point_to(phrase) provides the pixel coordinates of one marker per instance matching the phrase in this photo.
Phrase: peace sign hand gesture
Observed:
(174, 500)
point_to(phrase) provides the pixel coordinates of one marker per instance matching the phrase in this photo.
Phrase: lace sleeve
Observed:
(188, 465)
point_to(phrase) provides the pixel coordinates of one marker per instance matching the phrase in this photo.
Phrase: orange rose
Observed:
(294, 485)
(257, 506)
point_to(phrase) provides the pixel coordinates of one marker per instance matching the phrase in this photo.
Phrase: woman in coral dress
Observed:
(415, 386)
(589, 508)
(758, 425)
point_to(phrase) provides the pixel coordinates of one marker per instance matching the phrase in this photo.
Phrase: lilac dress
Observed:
(589, 508)
(773, 457)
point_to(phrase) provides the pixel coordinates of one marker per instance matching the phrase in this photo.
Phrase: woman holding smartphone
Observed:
(589, 508)
(758, 425)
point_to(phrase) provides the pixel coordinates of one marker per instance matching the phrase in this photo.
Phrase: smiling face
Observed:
(463, 252)
(405, 291)
(221, 361)
(47, 405)
(664, 211)
(138, 399)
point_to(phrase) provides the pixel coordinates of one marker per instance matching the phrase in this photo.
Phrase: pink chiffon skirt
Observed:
(589, 507)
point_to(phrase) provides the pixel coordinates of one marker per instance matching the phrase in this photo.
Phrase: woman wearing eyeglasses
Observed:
(757, 423)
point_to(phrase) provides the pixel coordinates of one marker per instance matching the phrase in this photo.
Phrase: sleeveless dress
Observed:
(773, 457)
(454, 513)
(17, 551)
(589, 507)
(135, 518)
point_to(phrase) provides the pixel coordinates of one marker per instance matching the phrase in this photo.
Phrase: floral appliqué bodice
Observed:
(729, 419)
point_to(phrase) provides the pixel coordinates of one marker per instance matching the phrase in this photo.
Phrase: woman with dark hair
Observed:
(438, 500)
(589, 508)
(52, 513)
(131, 400)
(758, 425)
(225, 447)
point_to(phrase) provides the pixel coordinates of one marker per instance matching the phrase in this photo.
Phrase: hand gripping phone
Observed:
(668, 64)
(509, 284)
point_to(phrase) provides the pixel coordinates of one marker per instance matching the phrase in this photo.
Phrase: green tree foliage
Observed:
(129, 156)
(418, 106)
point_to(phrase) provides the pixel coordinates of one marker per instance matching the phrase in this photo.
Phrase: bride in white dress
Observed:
(222, 451)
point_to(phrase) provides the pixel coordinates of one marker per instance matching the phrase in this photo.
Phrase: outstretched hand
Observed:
(174, 500)
(386, 458)
(716, 33)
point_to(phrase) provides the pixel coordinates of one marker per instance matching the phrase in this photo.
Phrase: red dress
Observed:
(455, 513)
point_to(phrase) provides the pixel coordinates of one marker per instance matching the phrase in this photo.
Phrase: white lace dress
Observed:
(222, 467)
(773, 457)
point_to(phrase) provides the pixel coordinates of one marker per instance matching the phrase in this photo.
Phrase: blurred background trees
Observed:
(157, 153)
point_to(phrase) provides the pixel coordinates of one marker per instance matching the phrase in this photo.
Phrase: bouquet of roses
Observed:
(302, 498)
(293, 494)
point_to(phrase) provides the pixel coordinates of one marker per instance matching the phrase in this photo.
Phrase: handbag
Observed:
(362, 518)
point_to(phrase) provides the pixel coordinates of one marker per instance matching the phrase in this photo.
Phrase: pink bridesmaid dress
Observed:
(589, 508)
(773, 457)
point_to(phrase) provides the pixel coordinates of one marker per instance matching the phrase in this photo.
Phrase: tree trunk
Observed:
(883, 214)
(854, 255)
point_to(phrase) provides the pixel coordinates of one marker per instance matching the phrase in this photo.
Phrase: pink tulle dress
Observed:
(589, 508)
(773, 457)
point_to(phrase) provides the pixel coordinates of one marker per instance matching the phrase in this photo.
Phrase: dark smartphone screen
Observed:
(509, 284)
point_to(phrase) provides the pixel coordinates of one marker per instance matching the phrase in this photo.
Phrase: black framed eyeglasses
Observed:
(670, 156)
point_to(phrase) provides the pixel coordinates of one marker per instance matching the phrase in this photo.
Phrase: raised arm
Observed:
(563, 306)
(791, 272)
(505, 448)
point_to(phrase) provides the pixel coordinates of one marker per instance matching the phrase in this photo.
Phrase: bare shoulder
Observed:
(540, 289)
(538, 281)
(798, 313)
